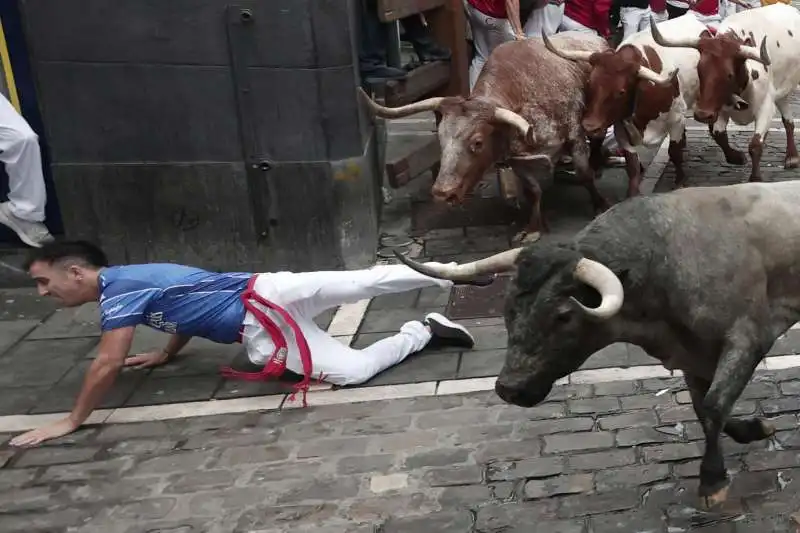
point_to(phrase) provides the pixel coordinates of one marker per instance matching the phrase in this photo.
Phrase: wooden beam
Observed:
(411, 156)
(391, 10)
(420, 82)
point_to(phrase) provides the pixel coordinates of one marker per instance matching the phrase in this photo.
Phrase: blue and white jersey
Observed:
(174, 299)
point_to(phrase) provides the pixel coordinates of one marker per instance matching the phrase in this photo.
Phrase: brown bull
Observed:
(525, 109)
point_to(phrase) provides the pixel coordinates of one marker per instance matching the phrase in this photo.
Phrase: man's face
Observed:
(67, 282)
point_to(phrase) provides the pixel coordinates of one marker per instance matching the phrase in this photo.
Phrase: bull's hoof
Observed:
(523, 237)
(792, 162)
(735, 157)
(711, 497)
(749, 430)
(755, 179)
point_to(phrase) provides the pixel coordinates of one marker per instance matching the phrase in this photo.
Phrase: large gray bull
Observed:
(526, 109)
(704, 279)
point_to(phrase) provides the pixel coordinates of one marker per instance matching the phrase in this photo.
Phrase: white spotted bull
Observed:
(748, 68)
(644, 90)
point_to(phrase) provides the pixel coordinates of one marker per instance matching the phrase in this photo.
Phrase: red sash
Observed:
(276, 365)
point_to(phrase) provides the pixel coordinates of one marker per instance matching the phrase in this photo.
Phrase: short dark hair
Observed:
(56, 251)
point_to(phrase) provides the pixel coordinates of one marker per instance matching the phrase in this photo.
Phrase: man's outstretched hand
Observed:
(37, 436)
(147, 360)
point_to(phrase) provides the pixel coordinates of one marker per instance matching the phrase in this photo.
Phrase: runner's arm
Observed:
(512, 13)
(175, 344)
(114, 346)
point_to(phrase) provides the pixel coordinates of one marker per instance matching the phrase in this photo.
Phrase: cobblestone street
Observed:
(599, 458)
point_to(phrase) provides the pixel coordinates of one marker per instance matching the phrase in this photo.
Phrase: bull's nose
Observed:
(527, 397)
(704, 116)
(445, 195)
(593, 129)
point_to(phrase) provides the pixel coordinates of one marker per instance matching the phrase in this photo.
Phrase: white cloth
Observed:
(19, 152)
(712, 21)
(544, 20)
(487, 33)
(659, 17)
(307, 294)
(568, 24)
(634, 20)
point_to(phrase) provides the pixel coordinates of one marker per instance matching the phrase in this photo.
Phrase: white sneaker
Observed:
(31, 233)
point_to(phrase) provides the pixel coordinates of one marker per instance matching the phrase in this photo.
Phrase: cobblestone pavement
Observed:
(606, 458)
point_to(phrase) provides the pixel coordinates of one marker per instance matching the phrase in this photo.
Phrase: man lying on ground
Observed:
(271, 314)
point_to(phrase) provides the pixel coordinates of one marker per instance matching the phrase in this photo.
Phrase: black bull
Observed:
(703, 279)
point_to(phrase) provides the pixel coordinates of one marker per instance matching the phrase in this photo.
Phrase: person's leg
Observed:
(372, 49)
(27, 196)
(568, 24)
(487, 33)
(312, 293)
(420, 38)
(333, 362)
(544, 20)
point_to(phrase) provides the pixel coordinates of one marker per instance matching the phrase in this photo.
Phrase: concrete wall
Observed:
(224, 136)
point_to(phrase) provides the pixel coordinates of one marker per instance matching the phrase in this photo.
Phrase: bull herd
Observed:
(704, 279)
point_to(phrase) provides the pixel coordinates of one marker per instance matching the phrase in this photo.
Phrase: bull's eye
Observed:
(476, 145)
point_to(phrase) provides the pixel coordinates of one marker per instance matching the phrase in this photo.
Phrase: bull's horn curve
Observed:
(468, 272)
(514, 119)
(689, 42)
(761, 55)
(659, 79)
(601, 278)
(430, 104)
(571, 55)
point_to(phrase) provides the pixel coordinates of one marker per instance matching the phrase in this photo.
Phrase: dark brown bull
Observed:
(525, 109)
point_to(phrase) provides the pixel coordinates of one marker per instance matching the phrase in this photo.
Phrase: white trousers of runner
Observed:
(634, 20)
(487, 34)
(307, 294)
(19, 152)
(544, 20)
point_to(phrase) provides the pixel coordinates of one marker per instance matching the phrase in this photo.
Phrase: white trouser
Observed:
(544, 20)
(634, 20)
(487, 33)
(307, 294)
(727, 7)
(711, 21)
(19, 152)
(568, 24)
(659, 17)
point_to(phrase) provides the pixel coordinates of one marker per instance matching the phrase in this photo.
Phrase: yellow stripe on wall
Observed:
(5, 58)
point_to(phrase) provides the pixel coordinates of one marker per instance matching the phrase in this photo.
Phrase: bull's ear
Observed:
(750, 41)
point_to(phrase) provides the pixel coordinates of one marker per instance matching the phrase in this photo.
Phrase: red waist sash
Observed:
(276, 365)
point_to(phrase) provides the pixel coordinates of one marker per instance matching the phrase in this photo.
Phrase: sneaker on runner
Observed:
(31, 233)
(447, 330)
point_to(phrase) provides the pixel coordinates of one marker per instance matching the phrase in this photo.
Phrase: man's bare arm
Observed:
(512, 13)
(114, 346)
(175, 345)
(113, 349)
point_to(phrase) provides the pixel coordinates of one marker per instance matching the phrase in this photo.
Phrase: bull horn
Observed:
(761, 55)
(466, 273)
(601, 278)
(687, 42)
(571, 55)
(509, 117)
(430, 104)
(659, 79)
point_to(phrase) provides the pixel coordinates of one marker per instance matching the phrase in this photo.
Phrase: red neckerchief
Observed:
(276, 365)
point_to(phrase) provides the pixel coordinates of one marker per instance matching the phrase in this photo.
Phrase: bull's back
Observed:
(780, 24)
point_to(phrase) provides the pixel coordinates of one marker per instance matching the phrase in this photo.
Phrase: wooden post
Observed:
(448, 27)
